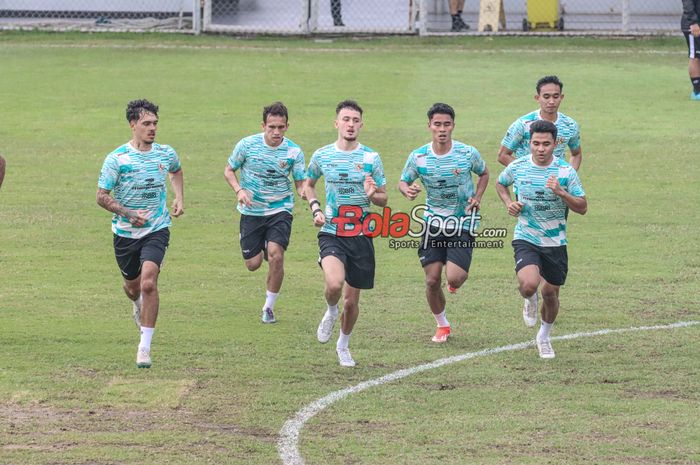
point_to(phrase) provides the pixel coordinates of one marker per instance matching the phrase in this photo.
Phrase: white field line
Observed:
(288, 443)
(378, 49)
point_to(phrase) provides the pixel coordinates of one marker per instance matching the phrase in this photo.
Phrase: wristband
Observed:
(237, 191)
(314, 201)
(313, 213)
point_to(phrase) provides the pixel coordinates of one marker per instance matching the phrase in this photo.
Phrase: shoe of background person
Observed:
(136, 312)
(694, 96)
(461, 22)
(268, 316)
(441, 334)
(545, 349)
(345, 358)
(143, 358)
(458, 25)
(530, 311)
(325, 328)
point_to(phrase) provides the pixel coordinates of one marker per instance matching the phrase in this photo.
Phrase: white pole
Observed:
(423, 12)
(206, 19)
(312, 12)
(625, 15)
(197, 16)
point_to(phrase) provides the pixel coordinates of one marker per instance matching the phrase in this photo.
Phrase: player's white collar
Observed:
(539, 116)
(532, 161)
(432, 149)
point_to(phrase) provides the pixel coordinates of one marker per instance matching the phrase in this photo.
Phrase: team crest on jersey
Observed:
(560, 140)
(359, 166)
(456, 171)
(283, 164)
(160, 167)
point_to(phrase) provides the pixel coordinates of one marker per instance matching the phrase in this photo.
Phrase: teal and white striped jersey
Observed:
(344, 177)
(265, 173)
(447, 178)
(542, 219)
(517, 138)
(137, 180)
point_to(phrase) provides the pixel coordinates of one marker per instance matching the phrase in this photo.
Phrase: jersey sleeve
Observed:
(478, 164)
(410, 170)
(238, 155)
(574, 186)
(109, 174)
(507, 177)
(173, 161)
(514, 136)
(299, 166)
(575, 140)
(378, 171)
(314, 171)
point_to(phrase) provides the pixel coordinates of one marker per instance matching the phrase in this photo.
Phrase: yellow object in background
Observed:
(543, 14)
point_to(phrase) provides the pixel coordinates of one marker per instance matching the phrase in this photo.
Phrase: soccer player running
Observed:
(445, 167)
(546, 186)
(690, 25)
(516, 142)
(136, 173)
(2, 170)
(266, 198)
(354, 179)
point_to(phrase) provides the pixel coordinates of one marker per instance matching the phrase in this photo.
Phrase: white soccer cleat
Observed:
(325, 328)
(137, 311)
(345, 358)
(530, 311)
(545, 349)
(143, 358)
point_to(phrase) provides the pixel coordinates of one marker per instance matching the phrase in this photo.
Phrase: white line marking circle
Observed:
(288, 443)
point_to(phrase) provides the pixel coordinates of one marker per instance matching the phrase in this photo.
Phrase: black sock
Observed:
(696, 84)
(459, 13)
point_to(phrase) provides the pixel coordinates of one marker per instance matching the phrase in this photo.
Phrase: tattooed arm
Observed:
(106, 201)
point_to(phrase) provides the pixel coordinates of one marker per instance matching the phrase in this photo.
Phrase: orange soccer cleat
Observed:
(441, 334)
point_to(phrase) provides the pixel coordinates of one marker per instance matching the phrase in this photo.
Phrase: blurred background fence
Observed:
(300, 17)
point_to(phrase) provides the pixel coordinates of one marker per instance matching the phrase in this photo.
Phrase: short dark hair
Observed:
(275, 109)
(353, 105)
(441, 108)
(136, 108)
(549, 80)
(542, 125)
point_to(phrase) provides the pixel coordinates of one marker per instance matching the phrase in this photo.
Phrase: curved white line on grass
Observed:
(288, 443)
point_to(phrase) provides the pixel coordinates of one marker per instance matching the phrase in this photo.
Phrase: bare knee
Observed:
(528, 289)
(132, 291)
(275, 258)
(149, 286)
(433, 281)
(334, 287)
(457, 281)
(254, 263)
(350, 306)
(550, 293)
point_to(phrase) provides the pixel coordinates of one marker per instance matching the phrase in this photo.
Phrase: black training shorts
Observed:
(257, 231)
(356, 253)
(553, 262)
(693, 44)
(456, 248)
(131, 253)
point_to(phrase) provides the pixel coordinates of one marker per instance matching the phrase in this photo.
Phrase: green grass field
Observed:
(222, 384)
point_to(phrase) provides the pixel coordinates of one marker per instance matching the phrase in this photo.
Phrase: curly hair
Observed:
(136, 108)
